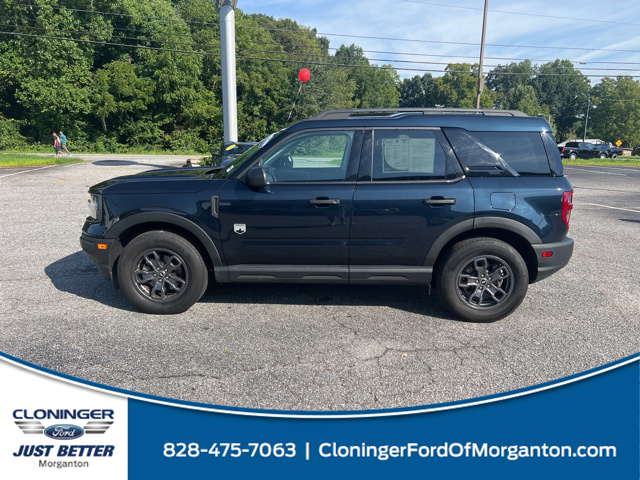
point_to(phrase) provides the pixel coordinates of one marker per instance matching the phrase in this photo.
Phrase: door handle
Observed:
(323, 201)
(439, 201)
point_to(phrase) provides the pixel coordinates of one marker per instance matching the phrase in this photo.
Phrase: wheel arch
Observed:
(129, 228)
(511, 232)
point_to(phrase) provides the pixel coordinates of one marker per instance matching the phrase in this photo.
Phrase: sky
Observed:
(415, 24)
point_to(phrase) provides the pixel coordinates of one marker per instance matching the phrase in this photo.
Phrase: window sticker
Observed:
(405, 154)
(396, 154)
(422, 153)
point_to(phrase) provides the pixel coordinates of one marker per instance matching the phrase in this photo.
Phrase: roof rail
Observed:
(354, 112)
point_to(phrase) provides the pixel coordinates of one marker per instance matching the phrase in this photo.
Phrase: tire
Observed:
(464, 262)
(572, 156)
(162, 273)
(614, 155)
(602, 155)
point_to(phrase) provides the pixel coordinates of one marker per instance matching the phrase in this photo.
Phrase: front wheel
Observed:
(162, 273)
(483, 279)
(602, 155)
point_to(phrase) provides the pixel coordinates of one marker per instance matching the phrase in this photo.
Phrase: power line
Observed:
(441, 41)
(144, 39)
(557, 17)
(89, 25)
(391, 60)
(313, 32)
(195, 44)
(166, 19)
(196, 52)
(315, 47)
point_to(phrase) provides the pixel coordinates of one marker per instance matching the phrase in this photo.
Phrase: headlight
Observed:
(94, 206)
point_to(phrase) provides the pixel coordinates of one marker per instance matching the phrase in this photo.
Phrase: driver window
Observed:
(311, 157)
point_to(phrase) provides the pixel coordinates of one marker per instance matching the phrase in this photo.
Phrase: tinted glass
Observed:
(519, 153)
(311, 157)
(572, 144)
(407, 155)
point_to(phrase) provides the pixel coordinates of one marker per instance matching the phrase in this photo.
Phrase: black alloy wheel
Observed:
(161, 275)
(485, 282)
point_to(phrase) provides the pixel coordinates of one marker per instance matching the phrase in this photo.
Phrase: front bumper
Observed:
(561, 254)
(101, 256)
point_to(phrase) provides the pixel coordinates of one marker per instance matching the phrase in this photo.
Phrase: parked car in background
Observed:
(609, 151)
(230, 151)
(570, 149)
(573, 150)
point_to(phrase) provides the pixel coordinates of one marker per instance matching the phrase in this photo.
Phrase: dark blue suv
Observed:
(473, 202)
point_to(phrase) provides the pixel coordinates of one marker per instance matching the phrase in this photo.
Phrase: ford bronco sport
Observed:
(470, 201)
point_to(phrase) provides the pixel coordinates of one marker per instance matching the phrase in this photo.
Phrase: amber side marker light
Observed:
(547, 254)
(104, 246)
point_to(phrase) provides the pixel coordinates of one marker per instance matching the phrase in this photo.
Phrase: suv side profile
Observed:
(471, 201)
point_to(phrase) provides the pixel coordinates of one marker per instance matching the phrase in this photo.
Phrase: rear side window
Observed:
(408, 155)
(572, 144)
(500, 153)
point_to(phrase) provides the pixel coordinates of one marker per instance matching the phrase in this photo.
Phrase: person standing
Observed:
(63, 143)
(56, 144)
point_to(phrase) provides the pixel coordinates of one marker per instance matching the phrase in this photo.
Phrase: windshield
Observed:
(239, 160)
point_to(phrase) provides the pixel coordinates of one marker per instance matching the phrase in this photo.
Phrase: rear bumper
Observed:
(561, 254)
(99, 255)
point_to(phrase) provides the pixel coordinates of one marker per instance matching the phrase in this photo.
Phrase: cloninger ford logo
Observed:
(30, 423)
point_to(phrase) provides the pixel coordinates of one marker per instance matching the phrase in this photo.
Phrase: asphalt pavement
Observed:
(309, 347)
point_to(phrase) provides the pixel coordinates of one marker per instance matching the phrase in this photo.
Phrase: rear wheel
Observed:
(572, 156)
(161, 272)
(483, 279)
(614, 155)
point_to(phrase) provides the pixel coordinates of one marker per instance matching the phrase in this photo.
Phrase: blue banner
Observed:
(584, 426)
(583, 429)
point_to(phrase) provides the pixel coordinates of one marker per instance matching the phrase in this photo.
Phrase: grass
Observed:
(26, 160)
(139, 150)
(604, 162)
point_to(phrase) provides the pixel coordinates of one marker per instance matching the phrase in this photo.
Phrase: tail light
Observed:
(562, 149)
(567, 206)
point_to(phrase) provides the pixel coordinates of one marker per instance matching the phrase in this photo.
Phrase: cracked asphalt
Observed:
(309, 347)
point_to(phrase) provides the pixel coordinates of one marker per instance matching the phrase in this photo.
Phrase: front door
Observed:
(297, 227)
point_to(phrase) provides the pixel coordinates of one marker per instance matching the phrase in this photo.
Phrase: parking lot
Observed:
(309, 347)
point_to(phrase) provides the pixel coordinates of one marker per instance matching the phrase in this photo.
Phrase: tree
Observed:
(118, 91)
(418, 91)
(564, 90)
(375, 87)
(458, 86)
(616, 112)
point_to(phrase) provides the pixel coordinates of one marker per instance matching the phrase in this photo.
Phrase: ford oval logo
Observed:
(64, 431)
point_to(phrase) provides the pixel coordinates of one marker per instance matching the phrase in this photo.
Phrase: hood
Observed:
(165, 180)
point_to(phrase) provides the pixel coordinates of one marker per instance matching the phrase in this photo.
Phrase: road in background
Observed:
(309, 347)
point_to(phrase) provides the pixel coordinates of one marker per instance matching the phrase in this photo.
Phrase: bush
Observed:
(10, 136)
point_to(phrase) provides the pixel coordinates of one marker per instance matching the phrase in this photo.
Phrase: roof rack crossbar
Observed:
(352, 112)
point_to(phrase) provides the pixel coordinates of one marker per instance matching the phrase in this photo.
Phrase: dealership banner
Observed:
(56, 426)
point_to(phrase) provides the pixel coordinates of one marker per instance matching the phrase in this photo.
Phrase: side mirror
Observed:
(257, 177)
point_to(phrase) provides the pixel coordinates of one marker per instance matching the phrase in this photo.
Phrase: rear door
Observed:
(299, 224)
(410, 190)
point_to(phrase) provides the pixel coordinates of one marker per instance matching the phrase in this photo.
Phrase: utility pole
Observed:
(228, 59)
(586, 119)
(484, 31)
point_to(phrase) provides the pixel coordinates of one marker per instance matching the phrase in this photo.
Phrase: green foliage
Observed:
(616, 113)
(10, 136)
(418, 92)
(113, 98)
